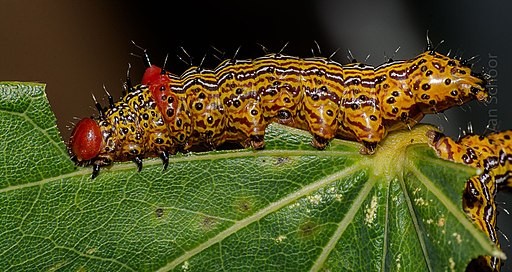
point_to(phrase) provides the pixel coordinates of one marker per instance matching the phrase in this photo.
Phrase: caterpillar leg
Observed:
(368, 148)
(164, 155)
(138, 161)
(95, 171)
(320, 142)
(257, 142)
(97, 164)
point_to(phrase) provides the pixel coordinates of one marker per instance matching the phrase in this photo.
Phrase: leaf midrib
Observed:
(86, 171)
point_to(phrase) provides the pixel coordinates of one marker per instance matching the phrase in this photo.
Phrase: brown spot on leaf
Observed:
(308, 229)
(208, 223)
(243, 205)
(159, 212)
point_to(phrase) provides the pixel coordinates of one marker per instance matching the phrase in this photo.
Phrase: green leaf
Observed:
(287, 207)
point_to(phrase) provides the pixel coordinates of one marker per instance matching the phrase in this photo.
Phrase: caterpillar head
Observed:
(440, 82)
(86, 140)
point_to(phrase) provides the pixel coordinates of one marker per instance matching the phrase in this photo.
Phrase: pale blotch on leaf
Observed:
(294, 205)
(441, 222)
(371, 211)
(458, 238)
(185, 266)
(315, 199)
(452, 264)
(420, 201)
(334, 193)
(57, 266)
(279, 239)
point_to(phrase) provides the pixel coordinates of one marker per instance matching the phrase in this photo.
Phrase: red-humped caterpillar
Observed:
(492, 154)
(236, 101)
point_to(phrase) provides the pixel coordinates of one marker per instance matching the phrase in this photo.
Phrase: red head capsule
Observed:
(86, 139)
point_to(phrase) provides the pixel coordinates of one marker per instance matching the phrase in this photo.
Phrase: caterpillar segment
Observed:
(236, 101)
(493, 155)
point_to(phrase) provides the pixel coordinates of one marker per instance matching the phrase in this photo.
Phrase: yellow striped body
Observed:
(236, 101)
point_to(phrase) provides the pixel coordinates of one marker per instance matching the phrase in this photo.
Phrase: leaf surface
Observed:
(288, 207)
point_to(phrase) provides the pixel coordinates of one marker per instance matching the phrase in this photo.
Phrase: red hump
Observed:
(152, 75)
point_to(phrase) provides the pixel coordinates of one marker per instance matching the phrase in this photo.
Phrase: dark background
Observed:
(76, 47)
